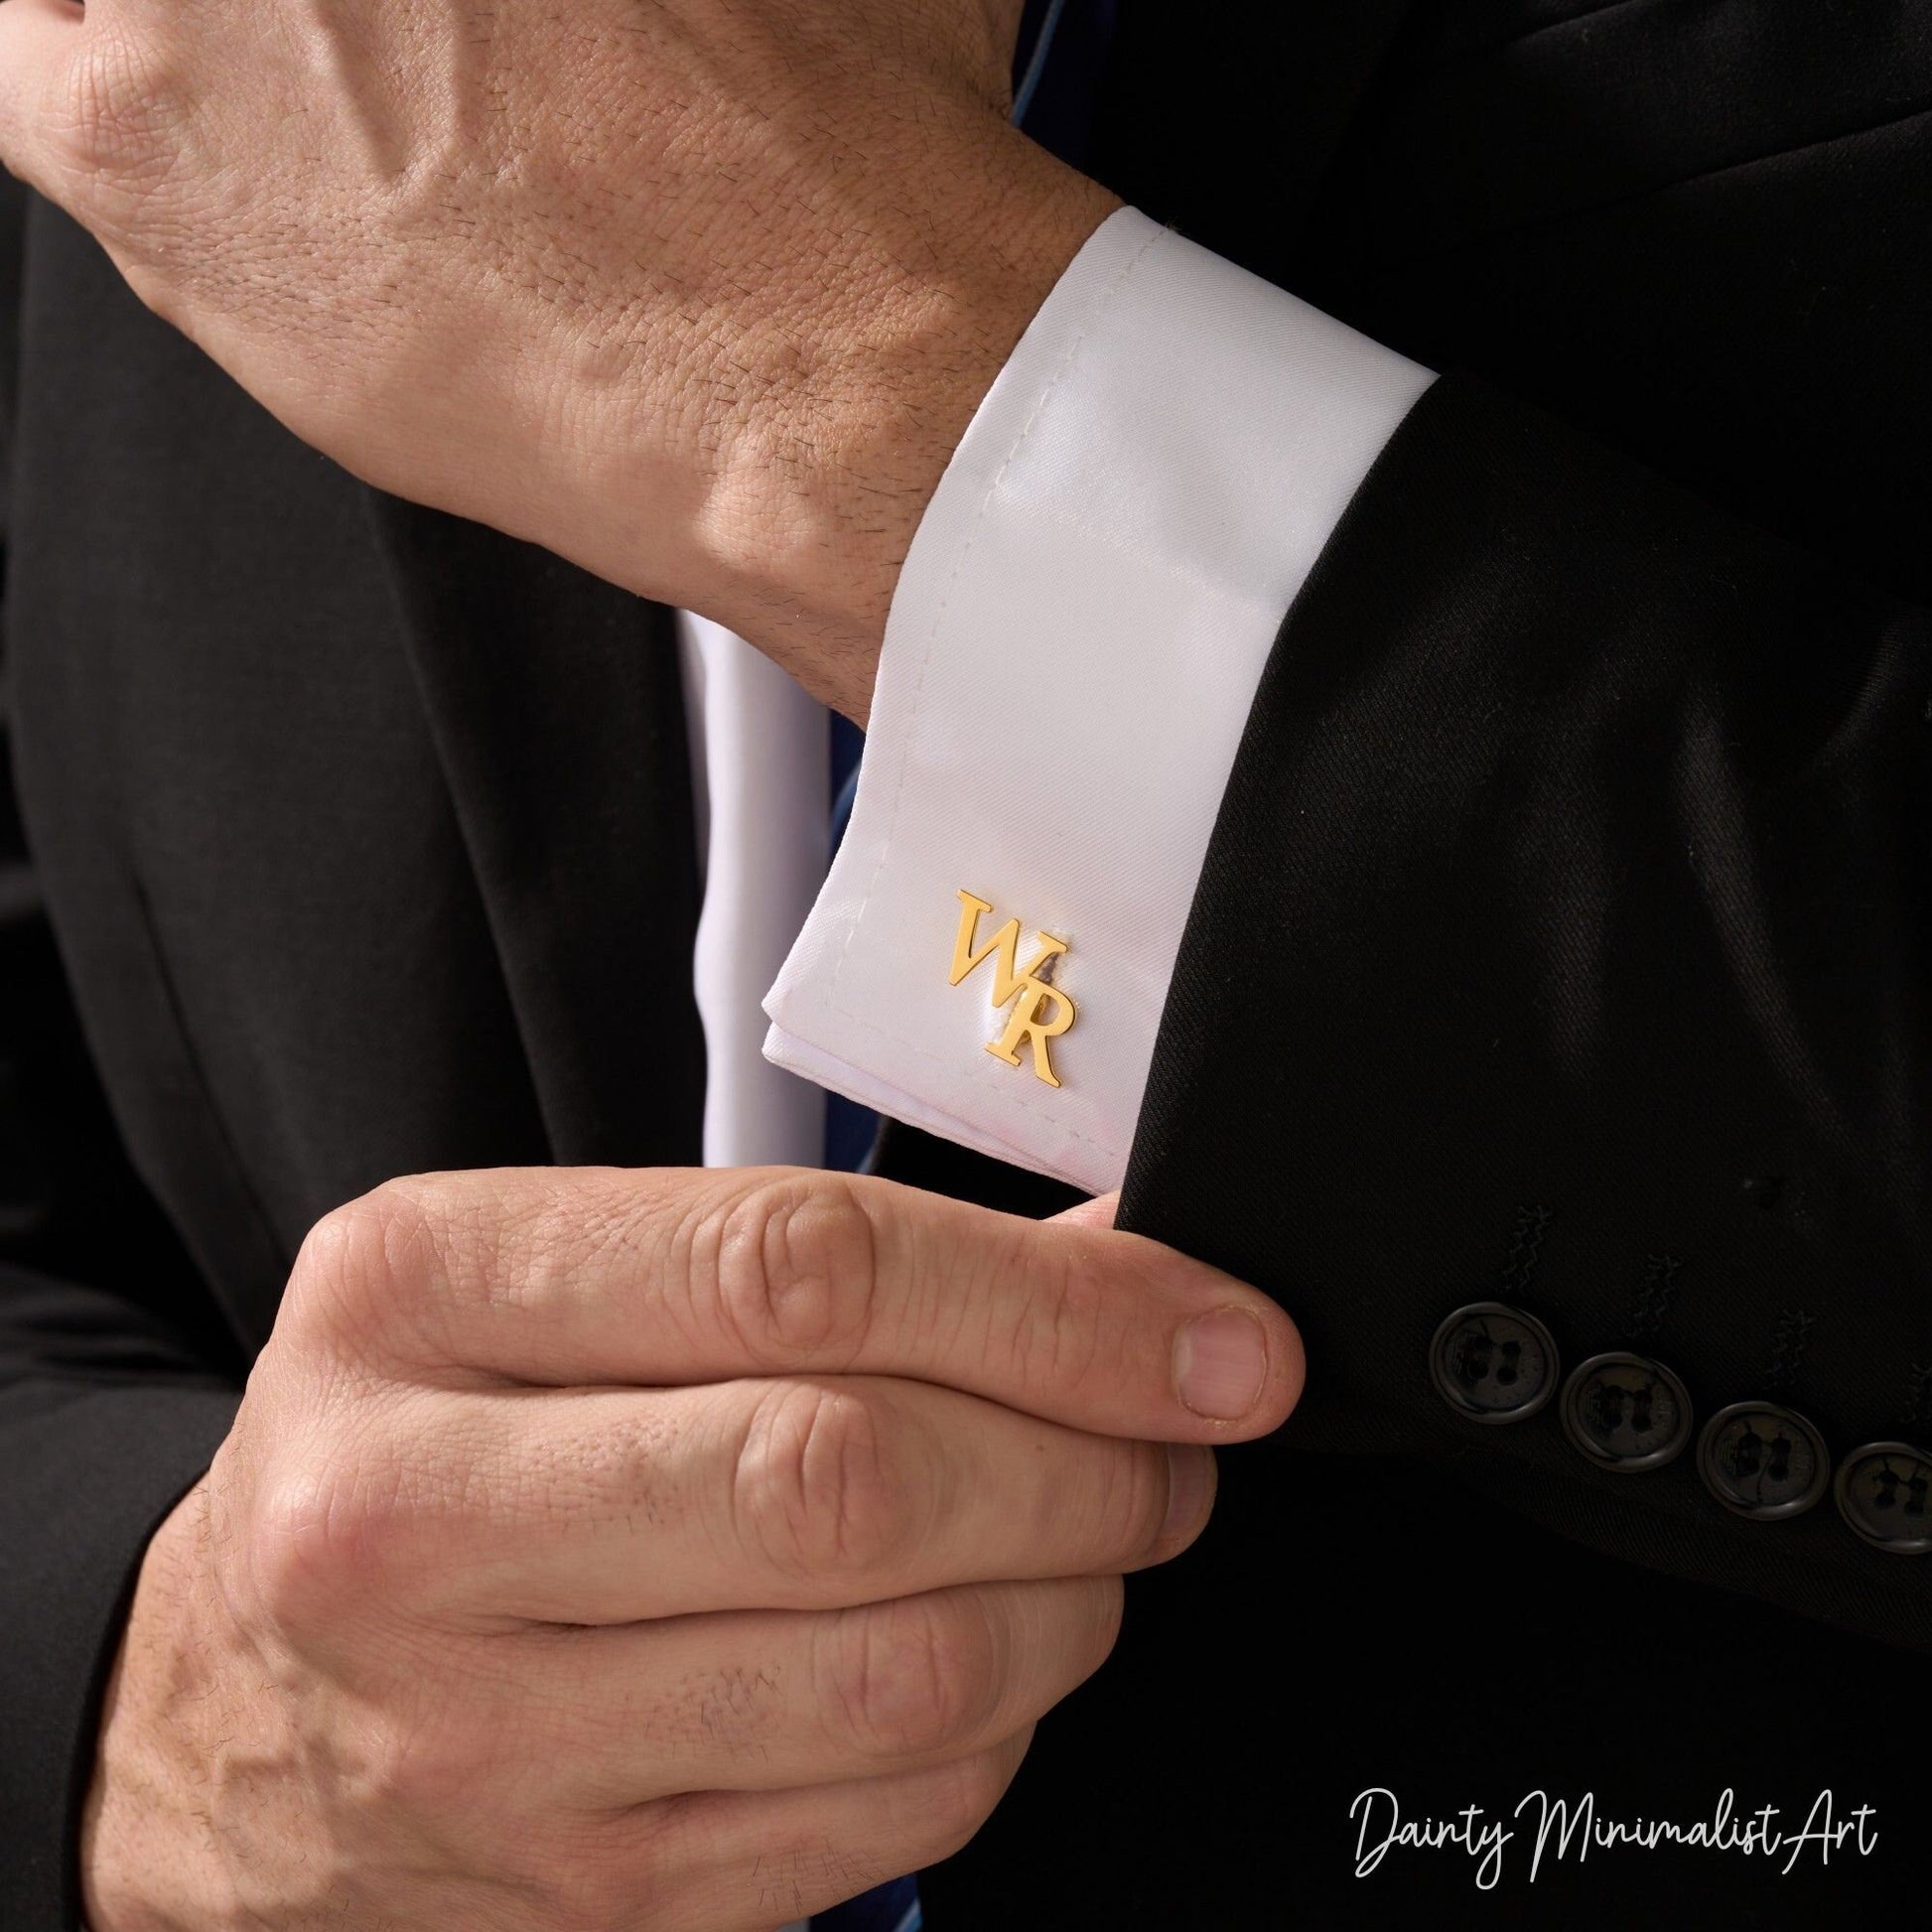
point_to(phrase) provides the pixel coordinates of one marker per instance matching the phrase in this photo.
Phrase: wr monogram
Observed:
(1041, 1011)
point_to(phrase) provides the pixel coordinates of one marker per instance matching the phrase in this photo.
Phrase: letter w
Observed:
(1003, 949)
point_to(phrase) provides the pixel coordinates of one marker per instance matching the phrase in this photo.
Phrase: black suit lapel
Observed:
(554, 703)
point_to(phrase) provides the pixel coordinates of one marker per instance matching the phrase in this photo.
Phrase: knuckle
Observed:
(322, 1534)
(955, 1800)
(603, 1894)
(1083, 1615)
(295, 1548)
(814, 1486)
(1103, 1604)
(460, 1768)
(1129, 1500)
(921, 1676)
(363, 1260)
(1068, 1338)
(625, 1871)
(117, 113)
(797, 1266)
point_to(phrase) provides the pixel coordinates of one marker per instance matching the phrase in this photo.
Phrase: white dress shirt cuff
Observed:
(1068, 664)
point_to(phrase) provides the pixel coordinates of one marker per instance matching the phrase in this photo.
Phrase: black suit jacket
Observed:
(1564, 935)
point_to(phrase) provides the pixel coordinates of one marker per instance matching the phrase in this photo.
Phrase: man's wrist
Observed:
(803, 539)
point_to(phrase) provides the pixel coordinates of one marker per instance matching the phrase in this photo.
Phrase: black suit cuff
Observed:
(93, 1473)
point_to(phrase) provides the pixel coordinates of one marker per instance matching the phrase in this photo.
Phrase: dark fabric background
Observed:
(360, 843)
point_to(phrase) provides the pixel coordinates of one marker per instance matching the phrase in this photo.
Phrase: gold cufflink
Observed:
(1041, 1011)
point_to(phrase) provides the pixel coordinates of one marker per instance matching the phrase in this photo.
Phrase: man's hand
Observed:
(699, 293)
(680, 1550)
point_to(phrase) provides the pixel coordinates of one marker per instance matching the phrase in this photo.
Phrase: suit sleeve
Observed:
(117, 1379)
(1516, 960)
(1562, 942)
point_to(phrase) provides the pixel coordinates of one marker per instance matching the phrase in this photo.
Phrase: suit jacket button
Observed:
(1492, 1363)
(1626, 1412)
(1763, 1460)
(1884, 1492)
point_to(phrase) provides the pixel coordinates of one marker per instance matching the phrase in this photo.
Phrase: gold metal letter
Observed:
(1026, 1022)
(1030, 988)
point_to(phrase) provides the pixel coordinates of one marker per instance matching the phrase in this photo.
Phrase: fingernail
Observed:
(1219, 1363)
(1190, 1489)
